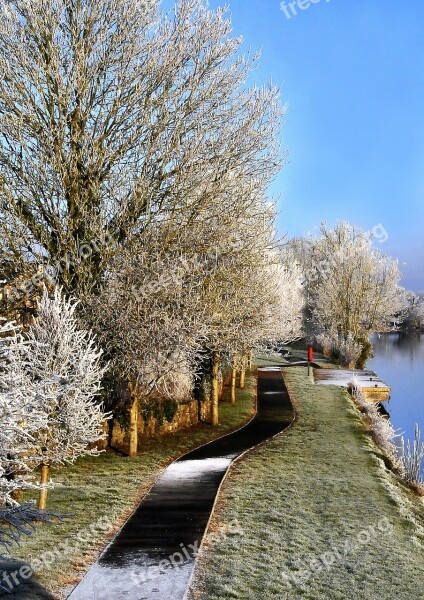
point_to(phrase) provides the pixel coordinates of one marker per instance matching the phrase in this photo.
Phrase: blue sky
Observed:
(352, 73)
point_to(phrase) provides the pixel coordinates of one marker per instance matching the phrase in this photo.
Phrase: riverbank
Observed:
(398, 359)
(321, 517)
(101, 493)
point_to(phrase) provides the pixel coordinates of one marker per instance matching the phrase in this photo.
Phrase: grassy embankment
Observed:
(320, 516)
(110, 487)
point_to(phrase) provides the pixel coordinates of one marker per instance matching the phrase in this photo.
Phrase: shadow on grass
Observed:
(17, 581)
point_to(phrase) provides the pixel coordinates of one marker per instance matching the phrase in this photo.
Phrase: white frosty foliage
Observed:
(406, 457)
(412, 457)
(281, 306)
(351, 286)
(48, 384)
(48, 414)
(65, 364)
(21, 417)
(336, 344)
(148, 318)
(381, 427)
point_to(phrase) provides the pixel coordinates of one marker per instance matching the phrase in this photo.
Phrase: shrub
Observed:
(365, 354)
(381, 427)
(407, 459)
(342, 348)
(170, 408)
(159, 409)
(412, 457)
(350, 350)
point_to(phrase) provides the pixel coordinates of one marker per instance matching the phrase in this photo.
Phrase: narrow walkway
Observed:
(153, 556)
(322, 518)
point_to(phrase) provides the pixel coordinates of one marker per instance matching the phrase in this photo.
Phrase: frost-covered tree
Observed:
(21, 418)
(414, 310)
(250, 297)
(420, 309)
(273, 302)
(279, 297)
(19, 414)
(351, 287)
(228, 314)
(232, 299)
(149, 318)
(112, 115)
(283, 312)
(64, 364)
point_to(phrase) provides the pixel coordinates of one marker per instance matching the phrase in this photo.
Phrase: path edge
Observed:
(285, 431)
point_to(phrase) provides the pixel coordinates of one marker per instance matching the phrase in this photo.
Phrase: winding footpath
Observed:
(153, 556)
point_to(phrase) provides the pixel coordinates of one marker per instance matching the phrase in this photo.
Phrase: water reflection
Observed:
(399, 361)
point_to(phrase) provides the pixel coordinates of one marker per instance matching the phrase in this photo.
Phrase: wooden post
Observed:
(214, 391)
(42, 498)
(310, 358)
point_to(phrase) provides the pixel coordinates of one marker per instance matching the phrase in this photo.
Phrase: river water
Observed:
(399, 361)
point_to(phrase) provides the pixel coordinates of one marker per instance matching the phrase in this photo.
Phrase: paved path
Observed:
(153, 556)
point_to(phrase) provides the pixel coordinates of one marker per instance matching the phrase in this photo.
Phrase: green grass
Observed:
(277, 359)
(262, 360)
(301, 500)
(110, 486)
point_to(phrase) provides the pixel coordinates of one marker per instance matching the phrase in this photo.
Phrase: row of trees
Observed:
(134, 164)
(125, 124)
(162, 313)
(158, 314)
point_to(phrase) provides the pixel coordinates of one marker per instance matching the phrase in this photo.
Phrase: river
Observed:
(399, 361)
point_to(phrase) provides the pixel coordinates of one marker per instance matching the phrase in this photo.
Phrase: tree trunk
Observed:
(42, 498)
(233, 385)
(243, 373)
(133, 444)
(250, 361)
(214, 392)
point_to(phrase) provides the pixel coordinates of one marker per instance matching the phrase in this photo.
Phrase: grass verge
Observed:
(106, 489)
(319, 515)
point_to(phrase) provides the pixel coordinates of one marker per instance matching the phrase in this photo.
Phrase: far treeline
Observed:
(137, 230)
